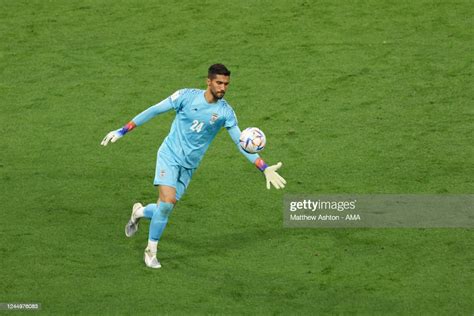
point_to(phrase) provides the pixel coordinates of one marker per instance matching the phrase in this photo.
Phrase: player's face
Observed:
(218, 85)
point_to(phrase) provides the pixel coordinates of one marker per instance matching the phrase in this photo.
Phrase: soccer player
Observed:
(200, 114)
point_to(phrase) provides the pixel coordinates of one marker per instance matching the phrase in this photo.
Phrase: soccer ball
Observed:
(252, 140)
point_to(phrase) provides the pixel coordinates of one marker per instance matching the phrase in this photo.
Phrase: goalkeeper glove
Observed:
(273, 177)
(113, 136)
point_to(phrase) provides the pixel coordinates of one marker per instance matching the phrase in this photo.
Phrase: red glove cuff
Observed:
(260, 164)
(127, 128)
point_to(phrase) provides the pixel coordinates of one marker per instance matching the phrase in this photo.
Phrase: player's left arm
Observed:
(270, 172)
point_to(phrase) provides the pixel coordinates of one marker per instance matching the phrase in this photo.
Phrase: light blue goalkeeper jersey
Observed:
(196, 124)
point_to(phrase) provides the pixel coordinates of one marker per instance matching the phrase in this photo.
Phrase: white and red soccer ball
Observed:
(252, 140)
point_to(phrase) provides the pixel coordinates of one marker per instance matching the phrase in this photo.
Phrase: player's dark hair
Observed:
(217, 69)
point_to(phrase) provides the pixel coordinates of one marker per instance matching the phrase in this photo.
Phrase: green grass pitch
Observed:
(354, 97)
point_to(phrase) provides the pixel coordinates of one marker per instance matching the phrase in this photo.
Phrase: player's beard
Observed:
(217, 96)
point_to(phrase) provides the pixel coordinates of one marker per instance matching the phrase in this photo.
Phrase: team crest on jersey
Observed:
(214, 118)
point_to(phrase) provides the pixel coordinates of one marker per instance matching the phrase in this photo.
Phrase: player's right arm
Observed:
(167, 104)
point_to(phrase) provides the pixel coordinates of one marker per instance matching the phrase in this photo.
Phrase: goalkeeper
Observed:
(200, 114)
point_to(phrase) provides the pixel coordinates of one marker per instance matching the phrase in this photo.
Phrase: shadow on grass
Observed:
(222, 243)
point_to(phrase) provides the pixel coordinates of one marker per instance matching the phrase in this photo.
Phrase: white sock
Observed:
(152, 246)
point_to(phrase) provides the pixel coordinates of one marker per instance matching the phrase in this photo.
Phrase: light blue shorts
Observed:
(170, 174)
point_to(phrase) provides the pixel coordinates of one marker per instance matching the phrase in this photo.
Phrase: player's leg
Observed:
(168, 196)
(166, 202)
(165, 205)
(166, 174)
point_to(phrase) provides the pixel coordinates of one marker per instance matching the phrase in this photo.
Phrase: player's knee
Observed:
(166, 209)
(162, 214)
(171, 199)
(167, 198)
